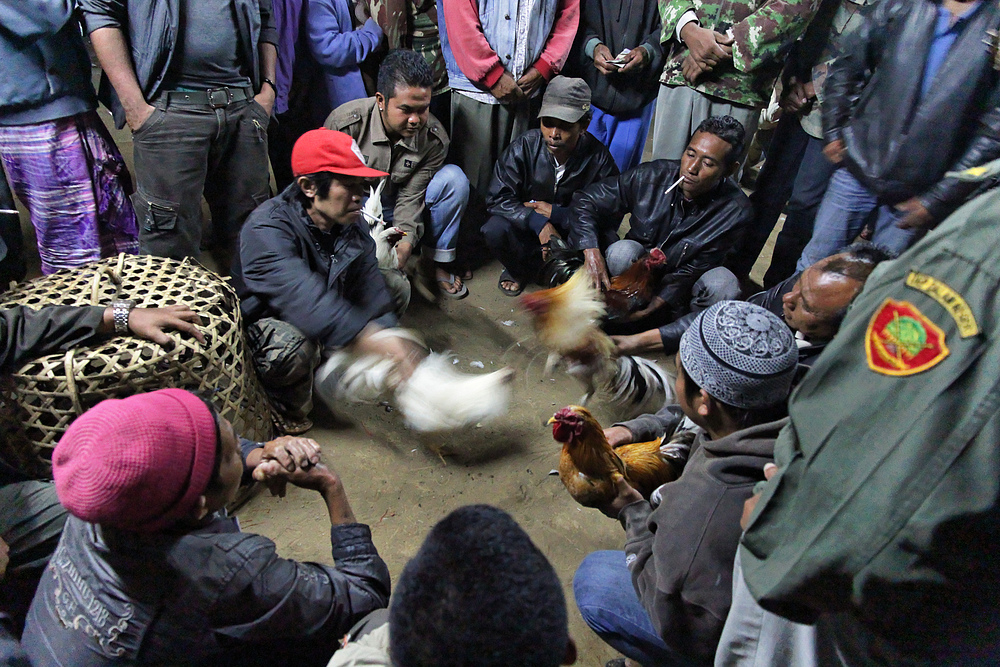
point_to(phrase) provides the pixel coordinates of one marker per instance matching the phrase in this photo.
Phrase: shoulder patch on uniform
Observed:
(949, 299)
(901, 340)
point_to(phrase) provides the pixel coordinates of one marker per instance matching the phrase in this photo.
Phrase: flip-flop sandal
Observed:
(466, 275)
(444, 284)
(506, 277)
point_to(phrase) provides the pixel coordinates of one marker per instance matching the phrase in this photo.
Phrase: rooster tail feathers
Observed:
(640, 384)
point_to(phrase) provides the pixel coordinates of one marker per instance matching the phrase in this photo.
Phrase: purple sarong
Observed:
(74, 182)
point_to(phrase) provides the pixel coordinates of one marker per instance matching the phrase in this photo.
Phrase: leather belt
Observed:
(213, 97)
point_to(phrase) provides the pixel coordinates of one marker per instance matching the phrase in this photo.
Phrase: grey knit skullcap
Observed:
(741, 354)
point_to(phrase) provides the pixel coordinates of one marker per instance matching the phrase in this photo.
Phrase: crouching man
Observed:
(690, 209)
(664, 600)
(307, 275)
(150, 570)
(397, 133)
(534, 181)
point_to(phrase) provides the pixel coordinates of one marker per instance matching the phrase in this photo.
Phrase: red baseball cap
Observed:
(330, 150)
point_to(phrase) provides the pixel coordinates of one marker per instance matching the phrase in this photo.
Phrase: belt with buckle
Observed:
(213, 97)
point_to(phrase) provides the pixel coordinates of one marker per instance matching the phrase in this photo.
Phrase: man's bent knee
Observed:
(449, 183)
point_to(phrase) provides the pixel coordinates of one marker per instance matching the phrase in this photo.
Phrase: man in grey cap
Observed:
(534, 181)
(734, 373)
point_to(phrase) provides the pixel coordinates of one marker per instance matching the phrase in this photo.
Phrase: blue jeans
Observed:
(795, 173)
(446, 199)
(608, 603)
(846, 205)
(624, 135)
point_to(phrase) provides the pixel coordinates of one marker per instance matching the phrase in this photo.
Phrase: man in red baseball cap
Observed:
(307, 275)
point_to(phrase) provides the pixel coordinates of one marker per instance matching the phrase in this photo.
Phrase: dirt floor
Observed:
(401, 484)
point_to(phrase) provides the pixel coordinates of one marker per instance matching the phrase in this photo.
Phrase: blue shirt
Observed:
(946, 32)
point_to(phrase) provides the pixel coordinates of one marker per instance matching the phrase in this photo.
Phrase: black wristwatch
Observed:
(271, 83)
(120, 311)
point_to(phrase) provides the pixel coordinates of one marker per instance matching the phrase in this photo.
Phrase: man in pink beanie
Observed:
(150, 569)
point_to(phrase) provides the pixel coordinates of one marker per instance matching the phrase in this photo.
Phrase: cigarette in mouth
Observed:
(670, 189)
(372, 217)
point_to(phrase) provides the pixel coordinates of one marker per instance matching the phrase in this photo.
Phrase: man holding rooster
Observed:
(688, 209)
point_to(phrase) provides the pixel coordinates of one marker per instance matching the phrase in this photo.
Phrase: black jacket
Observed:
(527, 172)
(210, 596)
(619, 25)
(152, 29)
(681, 554)
(695, 235)
(327, 285)
(898, 145)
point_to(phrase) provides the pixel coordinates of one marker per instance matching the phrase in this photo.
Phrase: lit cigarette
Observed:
(12, 211)
(671, 188)
(371, 217)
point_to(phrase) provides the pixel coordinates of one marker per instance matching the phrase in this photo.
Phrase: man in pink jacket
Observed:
(499, 54)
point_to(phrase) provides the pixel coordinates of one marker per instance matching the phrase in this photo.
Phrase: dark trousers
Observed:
(517, 248)
(184, 151)
(793, 179)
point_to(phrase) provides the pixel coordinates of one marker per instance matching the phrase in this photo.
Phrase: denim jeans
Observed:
(794, 180)
(446, 199)
(608, 603)
(846, 205)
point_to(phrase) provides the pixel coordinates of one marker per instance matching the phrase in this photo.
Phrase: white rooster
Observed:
(385, 237)
(434, 398)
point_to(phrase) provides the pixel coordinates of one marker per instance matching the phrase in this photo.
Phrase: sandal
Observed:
(445, 285)
(289, 426)
(505, 277)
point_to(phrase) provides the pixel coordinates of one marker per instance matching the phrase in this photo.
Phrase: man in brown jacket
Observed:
(397, 134)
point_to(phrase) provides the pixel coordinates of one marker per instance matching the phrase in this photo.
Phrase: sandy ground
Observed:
(400, 485)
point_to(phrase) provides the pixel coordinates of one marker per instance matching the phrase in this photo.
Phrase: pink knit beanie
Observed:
(138, 463)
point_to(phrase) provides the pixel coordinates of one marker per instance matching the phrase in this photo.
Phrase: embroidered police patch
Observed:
(951, 300)
(902, 341)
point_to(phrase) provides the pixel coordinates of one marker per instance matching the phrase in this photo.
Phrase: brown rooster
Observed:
(634, 289)
(589, 468)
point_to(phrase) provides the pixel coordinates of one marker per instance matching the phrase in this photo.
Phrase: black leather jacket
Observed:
(898, 145)
(527, 171)
(696, 235)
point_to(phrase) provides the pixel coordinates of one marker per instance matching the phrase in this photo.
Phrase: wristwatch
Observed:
(120, 311)
(270, 83)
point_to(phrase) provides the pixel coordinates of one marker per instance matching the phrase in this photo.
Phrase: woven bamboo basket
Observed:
(41, 399)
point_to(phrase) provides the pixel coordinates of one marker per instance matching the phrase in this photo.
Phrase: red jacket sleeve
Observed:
(557, 48)
(474, 55)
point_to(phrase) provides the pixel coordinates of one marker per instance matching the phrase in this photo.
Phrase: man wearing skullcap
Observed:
(150, 569)
(734, 372)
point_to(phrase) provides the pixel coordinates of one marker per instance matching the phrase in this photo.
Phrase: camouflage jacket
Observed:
(763, 31)
(412, 24)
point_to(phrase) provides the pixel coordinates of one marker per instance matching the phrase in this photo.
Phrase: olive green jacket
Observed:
(887, 501)
(410, 162)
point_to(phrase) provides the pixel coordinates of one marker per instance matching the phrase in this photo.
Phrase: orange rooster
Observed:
(634, 289)
(567, 323)
(589, 468)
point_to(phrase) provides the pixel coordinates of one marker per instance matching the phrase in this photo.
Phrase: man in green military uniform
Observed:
(882, 520)
(723, 57)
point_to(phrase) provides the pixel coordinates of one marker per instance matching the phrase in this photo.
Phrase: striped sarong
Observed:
(74, 183)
